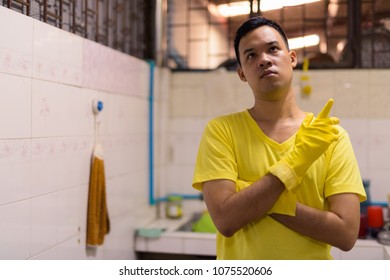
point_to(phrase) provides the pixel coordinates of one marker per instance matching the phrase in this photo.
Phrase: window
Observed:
(119, 24)
(351, 33)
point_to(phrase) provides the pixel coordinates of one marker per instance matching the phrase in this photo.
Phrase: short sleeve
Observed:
(343, 173)
(215, 159)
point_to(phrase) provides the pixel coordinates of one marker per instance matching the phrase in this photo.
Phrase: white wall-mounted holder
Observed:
(97, 106)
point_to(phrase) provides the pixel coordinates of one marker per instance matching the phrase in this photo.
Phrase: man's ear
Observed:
(241, 74)
(294, 59)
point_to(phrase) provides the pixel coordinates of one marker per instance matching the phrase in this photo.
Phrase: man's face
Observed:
(266, 63)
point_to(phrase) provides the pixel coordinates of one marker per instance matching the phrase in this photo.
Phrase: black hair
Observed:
(251, 24)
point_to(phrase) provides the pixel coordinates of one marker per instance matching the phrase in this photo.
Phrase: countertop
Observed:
(176, 242)
(387, 252)
(172, 241)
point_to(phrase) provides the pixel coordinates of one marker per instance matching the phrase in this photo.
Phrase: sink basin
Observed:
(187, 226)
(199, 222)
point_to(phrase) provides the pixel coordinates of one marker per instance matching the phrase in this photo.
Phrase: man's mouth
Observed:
(267, 73)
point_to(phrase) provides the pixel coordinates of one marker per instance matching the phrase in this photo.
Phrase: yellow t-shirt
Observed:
(234, 147)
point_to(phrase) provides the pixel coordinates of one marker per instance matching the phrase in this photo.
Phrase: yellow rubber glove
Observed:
(286, 204)
(312, 139)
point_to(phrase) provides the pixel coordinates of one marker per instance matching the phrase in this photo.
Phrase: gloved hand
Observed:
(286, 204)
(312, 139)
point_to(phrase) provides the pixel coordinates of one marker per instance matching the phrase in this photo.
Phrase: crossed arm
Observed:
(232, 210)
(338, 227)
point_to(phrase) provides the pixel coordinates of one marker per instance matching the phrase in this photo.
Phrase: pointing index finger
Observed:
(325, 111)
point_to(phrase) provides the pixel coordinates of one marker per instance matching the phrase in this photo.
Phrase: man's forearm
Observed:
(320, 225)
(232, 210)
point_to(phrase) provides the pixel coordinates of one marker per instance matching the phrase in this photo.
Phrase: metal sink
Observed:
(187, 226)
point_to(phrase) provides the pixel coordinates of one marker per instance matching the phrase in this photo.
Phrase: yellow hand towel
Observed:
(98, 223)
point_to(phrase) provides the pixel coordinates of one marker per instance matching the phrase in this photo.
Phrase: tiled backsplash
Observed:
(48, 81)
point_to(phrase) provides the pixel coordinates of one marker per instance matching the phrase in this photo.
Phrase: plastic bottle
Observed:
(375, 219)
(174, 207)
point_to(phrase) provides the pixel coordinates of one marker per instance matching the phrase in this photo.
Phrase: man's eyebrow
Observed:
(248, 50)
(271, 43)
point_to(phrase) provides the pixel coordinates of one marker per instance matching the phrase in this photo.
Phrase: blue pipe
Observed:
(379, 203)
(183, 196)
(152, 199)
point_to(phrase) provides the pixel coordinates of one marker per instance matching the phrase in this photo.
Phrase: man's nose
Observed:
(264, 61)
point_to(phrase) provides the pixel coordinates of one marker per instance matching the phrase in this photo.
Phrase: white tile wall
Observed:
(68, 203)
(15, 230)
(16, 51)
(379, 101)
(46, 52)
(358, 130)
(15, 170)
(70, 59)
(122, 74)
(351, 94)
(44, 223)
(49, 79)
(188, 101)
(15, 94)
(45, 160)
(45, 109)
(75, 108)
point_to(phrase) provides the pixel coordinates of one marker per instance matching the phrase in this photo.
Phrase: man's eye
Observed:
(251, 55)
(274, 48)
